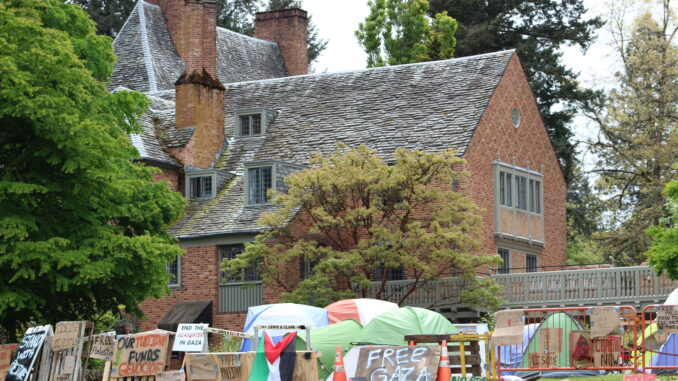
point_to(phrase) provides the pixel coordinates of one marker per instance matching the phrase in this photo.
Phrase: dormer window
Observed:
(250, 125)
(259, 181)
(200, 187)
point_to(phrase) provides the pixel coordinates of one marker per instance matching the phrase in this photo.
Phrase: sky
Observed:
(336, 22)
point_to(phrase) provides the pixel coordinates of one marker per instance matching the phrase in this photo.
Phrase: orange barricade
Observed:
(563, 339)
(658, 338)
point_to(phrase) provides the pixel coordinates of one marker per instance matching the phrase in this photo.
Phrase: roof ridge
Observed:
(246, 36)
(126, 21)
(146, 48)
(382, 68)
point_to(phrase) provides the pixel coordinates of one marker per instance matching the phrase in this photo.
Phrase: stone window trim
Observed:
(196, 175)
(273, 164)
(174, 269)
(519, 188)
(261, 115)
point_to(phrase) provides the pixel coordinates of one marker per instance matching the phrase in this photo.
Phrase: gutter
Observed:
(194, 236)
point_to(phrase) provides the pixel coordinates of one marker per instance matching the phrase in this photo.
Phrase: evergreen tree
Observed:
(638, 140)
(399, 32)
(663, 253)
(82, 227)
(537, 29)
(365, 220)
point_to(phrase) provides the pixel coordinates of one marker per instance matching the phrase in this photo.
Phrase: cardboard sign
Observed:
(204, 367)
(143, 354)
(238, 366)
(604, 321)
(6, 352)
(606, 352)
(550, 340)
(66, 335)
(189, 338)
(28, 350)
(509, 328)
(581, 350)
(402, 363)
(640, 377)
(103, 346)
(667, 319)
(68, 366)
(175, 375)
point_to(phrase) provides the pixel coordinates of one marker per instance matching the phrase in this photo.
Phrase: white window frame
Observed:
(176, 282)
(256, 165)
(189, 188)
(238, 124)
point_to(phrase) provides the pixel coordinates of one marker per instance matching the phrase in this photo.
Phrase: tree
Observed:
(364, 220)
(398, 32)
(236, 15)
(82, 228)
(584, 220)
(663, 254)
(637, 141)
(537, 29)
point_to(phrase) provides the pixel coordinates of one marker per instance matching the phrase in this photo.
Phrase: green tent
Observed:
(391, 327)
(556, 320)
(326, 339)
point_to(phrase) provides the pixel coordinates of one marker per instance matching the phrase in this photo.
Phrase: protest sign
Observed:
(103, 346)
(395, 362)
(604, 321)
(606, 352)
(66, 335)
(550, 340)
(189, 338)
(667, 319)
(509, 328)
(28, 351)
(6, 352)
(203, 366)
(143, 354)
(175, 375)
(581, 350)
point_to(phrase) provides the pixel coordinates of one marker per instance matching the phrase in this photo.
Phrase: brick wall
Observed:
(170, 175)
(289, 29)
(496, 138)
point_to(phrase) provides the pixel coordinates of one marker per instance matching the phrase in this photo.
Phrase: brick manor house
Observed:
(232, 115)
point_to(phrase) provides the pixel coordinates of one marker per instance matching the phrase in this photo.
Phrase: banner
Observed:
(508, 329)
(66, 335)
(142, 354)
(103, 346)
(604, 321)
(402, 363)
(189, 338)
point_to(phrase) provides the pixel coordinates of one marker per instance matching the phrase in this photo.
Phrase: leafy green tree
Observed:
(398, 32)
(537, 29)
(82, 228)
(638, 143)
(366, 219)
(663, 253)
(109, 15)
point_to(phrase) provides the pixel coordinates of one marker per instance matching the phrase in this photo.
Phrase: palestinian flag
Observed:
(274, 362)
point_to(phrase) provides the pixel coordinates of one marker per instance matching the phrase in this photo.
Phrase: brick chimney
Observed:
(289, 29)
(199, 99)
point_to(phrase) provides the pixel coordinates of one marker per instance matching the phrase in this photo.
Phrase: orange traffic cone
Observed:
(444, 372)
(339, 370)
(411, 343)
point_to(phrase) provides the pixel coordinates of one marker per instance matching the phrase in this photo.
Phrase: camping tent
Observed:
(654, 339)
(282, 314)
(391, 327)
(360, 310)
(510, 356)
(326, 340)
(561, 325)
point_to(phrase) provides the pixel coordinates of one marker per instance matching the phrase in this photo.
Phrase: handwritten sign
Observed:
(175, 375)
(103, 346)
(550, 340)
(189, 338)
(66, 335)
(604, 321)
(28, 350)
(6, 352)
(606, 352)
(581, 349)
(204, 367)
(667, 319)
(509, 328)
(418, 363)
(143, 354)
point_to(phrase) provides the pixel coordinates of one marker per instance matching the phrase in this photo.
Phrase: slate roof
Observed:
(148, 61)
(428, 106)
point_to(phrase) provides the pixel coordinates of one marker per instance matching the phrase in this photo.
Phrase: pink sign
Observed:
(640, 377)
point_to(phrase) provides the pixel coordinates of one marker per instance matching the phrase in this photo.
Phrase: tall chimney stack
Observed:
(199, 99)
(289, 29)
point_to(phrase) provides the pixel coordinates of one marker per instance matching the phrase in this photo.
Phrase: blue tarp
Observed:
(282, 314)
